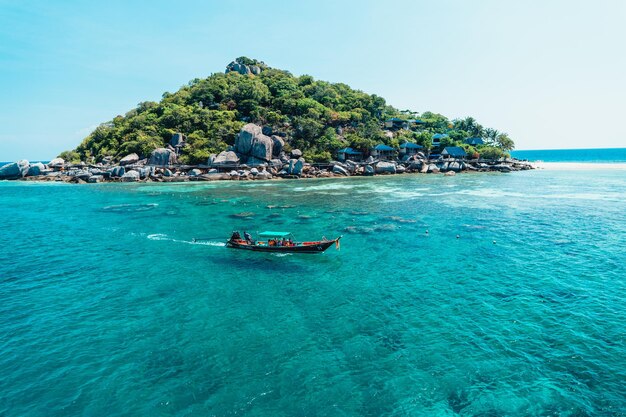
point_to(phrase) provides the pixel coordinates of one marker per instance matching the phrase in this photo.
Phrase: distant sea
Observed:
(474, 295)
(608, 155)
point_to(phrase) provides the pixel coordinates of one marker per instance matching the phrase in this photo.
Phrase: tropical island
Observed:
(257, 122)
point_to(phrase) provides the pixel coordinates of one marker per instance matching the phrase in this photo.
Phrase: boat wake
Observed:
(162, 236)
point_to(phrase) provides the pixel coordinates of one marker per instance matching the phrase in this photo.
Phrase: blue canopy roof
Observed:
(440, 136)
(454, 151)
(410, 145)
(474, 141)
(349, 151)
(381, 147)
(274, 234)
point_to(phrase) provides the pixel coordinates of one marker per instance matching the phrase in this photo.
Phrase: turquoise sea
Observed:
(108, 308)
(597, 155)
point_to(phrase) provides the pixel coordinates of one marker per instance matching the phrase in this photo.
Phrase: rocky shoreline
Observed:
(257, 154)
(141, 171)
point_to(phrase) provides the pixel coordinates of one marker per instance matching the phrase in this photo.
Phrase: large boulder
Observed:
(133, 158)
(95, 179)
(385, 168)
(454, 166)
(225, 158)
(432, 168)
(162, 157)
(131, 176)
(36, 169)
(195, 172)
(369, 170)
(263, 175)
(337, 169)
(252, 143)
(56, 163)
(117, 171)
(295, 166)
(278, 144)
(296, 153)
(14, 170)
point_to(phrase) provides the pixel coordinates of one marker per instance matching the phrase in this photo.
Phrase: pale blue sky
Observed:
(550, 73)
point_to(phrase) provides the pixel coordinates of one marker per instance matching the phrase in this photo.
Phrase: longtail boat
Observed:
(279, 242)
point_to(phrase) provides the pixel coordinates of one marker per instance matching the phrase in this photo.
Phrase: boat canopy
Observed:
(274, 234)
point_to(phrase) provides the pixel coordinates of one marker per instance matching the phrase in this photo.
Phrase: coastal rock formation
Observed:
(162, 157)
(194, 172)
(133, 158)
(278, 144)
(252, 146)
(242, 68)
(369, 170)
(131, 176)
(296, 153)
(225, 158)
(295, 166)
(117, 171)
(14, 170)
(36, 169)
(385, 168)
(56, 163)
(95, 179)
(337, 169)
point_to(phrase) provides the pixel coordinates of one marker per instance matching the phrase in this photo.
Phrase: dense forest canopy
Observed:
(317, 117)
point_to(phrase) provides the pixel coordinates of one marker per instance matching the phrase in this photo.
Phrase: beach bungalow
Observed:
(349, 153)
(474, 141)
(408, 148)
(437, 139)
(397, 123)
(381, 151)
(453, 152)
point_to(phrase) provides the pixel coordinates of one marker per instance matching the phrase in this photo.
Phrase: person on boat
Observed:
(235, 236)
(284, 242)
(290, 242)
(248, 237)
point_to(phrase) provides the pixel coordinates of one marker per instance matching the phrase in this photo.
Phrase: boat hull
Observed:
(313, 247)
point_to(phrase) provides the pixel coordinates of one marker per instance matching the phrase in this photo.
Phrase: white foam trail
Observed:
(161, 236)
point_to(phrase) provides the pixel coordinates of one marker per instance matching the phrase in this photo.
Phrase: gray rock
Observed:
(56, 163)
(369, 170)
(400, 169)
(295, 166)
(450, 174)
(351, 166)
(264, 175)
(433, 168)
(131, 176)
(14, 170)
(233, 173)
(225, 158)
(276, 163)
(162, 157)
(36, 169)
(145, 172)
(454, 166)
(267, 130)
(95, 179)
(278, 144)
(255, 69)
(167, 173)
(195, 172)
(83, 174)
(369, 160)
(212, 171)
(251, 142)
(337, 169)
(254, 171)
(117, 171)
(296, 153)
(133, 158)
(385, 167)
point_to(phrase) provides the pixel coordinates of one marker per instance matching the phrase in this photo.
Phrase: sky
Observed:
(550, 73)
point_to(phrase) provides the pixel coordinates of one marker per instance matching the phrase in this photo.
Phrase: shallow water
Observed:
(108, 307)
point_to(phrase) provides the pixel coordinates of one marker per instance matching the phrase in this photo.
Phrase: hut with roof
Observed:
(453, 152)
(383, 152)
(437, 139)
(349, 153)
(409, 148)
(474, 141)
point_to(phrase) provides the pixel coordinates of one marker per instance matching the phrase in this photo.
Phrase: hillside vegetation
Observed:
(317, 117)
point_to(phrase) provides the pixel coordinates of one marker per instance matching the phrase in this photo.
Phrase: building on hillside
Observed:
(474, 141)
(453, 152)
(408, 148)
(437, 139)
(382, 151)
(396, 123)
(349, 153)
